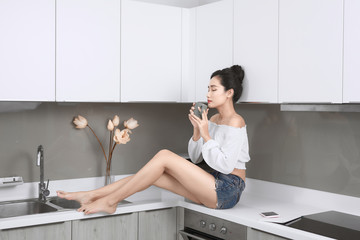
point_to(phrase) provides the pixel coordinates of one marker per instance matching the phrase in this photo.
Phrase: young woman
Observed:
(222, 142)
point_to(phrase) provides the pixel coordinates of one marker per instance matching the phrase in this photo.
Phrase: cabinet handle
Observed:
(153, 210)
(106, 216)
(45, 224)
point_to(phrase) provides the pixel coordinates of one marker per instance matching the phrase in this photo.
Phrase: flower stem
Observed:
(102, 148)
(108, 164)
(110, 143)
(111, 152)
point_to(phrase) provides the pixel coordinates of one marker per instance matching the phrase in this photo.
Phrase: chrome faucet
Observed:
(43, 191)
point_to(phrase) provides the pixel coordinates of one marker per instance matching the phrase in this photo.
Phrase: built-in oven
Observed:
(199, 226)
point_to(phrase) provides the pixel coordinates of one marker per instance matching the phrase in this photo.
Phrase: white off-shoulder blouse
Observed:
(227, 149)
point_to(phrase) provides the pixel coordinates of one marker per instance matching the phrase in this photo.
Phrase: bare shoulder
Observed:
(237, 121)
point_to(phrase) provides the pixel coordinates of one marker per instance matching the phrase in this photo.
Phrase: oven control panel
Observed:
(213, 226)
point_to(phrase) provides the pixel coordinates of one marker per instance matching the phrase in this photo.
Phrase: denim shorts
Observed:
(228, 189)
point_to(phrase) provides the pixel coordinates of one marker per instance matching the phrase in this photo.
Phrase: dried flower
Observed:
(116, 120)
(131, 123)
(80, 122)
(110, 125)
(121, 137)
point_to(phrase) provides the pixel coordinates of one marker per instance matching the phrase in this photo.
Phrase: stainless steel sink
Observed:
(123, 202)
(71, 204)
(68, 204)
(21, 208)
(33, 206)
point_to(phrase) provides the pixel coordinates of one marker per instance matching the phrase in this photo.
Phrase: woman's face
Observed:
(216, 93)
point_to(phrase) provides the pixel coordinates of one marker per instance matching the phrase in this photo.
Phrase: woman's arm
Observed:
(194, 150)
(196, 134)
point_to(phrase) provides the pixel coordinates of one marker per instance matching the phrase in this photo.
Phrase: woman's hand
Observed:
(192, 120)
(200, 125)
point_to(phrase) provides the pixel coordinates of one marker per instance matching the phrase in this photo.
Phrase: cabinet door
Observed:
(253, 234)
(150, 52)
(27, 50)
(158, 224)
(351, 51)
(214, 42)
(256, 48)
(310, 50)
(56, 231)
(110, 227)
(88, 50)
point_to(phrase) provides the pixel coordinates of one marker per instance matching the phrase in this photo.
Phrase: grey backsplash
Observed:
(317, 150)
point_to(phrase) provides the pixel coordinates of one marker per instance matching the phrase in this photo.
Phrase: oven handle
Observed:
(186, 236)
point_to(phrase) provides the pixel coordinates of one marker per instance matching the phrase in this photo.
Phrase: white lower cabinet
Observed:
(147, 225)
(56, 231)
(111, 227)
(158, 224)
(253, 234)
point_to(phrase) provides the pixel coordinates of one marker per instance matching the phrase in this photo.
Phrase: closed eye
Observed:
(212, 89)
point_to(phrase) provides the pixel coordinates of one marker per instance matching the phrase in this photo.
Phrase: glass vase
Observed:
(109, 178)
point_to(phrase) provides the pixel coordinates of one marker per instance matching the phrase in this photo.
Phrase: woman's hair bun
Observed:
(238, 72)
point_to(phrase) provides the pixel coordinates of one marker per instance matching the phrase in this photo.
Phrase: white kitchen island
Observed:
(290, 202)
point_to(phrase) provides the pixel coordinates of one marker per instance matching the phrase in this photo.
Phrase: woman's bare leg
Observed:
(86, 197)
(165, 181)
(196, 182)
(168, 182)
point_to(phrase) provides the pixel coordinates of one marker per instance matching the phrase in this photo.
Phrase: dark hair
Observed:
(231, 78)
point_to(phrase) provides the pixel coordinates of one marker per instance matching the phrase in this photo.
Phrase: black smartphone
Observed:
(269, 214)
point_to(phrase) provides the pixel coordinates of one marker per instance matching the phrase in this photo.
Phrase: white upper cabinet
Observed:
(351, 88)
(213, 42)
(27, 50)
(88, 50)
(310, 50)
(256, 48)
(150, 52)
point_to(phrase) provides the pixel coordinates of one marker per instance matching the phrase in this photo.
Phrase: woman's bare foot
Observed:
(100, 205)
(81, 197)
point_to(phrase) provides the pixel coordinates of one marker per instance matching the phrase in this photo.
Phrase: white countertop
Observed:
(259, 196)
